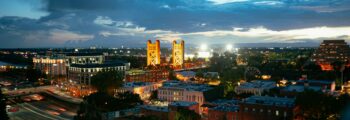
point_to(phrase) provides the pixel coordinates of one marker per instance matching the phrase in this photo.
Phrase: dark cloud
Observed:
(76, 17)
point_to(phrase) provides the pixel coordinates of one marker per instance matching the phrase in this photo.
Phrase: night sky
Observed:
(112, 23)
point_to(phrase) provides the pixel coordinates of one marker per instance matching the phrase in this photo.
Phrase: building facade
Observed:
(178, 54)
(181, 91)
(156, 75)
(256, 87)
(153, 53)
(266, 108)
(330, 51)
(50, 65)
(144, 89)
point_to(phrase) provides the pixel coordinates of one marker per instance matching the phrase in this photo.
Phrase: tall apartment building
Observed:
(331, 51)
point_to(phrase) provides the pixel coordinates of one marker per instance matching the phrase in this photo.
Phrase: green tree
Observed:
(107, 81)
(3, 113)
(154, 95)
(316, 105)
(185, 114)
(94, 105)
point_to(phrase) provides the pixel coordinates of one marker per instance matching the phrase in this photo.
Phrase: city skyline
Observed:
(112, 23)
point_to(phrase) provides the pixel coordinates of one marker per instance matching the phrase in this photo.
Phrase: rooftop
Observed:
(231, 108)
(84, 54)
(258, 84)
(267, 100)
(182, 103)
(187, 73)
(107, 64)
(156, 108)
(300, 88)
(136, 84)
(186, 86)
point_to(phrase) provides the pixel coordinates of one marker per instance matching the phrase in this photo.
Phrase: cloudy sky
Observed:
(112, 23)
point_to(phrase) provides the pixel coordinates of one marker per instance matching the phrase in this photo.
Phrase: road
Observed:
(48, 109)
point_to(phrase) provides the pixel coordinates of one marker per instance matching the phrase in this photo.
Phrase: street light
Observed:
(229, 47)
(203, 47)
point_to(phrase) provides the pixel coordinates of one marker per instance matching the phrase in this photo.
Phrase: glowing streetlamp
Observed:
(229, 47)
(203, 47)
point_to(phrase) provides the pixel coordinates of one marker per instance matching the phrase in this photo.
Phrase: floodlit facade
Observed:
(178, 54)
(144, 89)
(153, 53)
(331, 51)
(256, 87)
(182, 91)
(52, 66)
(146, 75)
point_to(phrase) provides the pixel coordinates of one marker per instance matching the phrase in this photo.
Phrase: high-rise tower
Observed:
(153, 53)
(178, 54)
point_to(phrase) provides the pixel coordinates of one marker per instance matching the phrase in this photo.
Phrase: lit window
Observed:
(245, 109)
(277, 112)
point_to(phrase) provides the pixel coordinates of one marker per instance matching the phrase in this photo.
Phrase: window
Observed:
(277, 112)
(285, 114)
(246, 109)
(261, 110)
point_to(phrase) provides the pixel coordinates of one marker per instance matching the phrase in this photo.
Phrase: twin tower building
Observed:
(153, 53)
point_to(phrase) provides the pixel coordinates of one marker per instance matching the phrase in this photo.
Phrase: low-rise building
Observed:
(161, 112)
(185, 75)
(80, 74)
(256, 87)
(302, 85)
(144, 89)
(174, 106)
(190, 92)
(266, 108)
(146, 75)
(223, 110)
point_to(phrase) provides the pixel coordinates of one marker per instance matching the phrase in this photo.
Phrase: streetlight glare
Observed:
(229, 47)
(203, 47)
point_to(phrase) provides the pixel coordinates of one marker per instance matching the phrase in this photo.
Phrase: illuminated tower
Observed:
(178, 54)
(153, 53)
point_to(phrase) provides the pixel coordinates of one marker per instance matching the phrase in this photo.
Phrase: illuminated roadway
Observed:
(47, 109)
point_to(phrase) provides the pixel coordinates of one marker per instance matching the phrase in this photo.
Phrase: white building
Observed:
(144, 89)
(182, 91)
(256, 87)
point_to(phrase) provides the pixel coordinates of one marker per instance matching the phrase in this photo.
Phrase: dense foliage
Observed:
(314, 105)
(107, 81)
(3, 113)
(185, 114)
(96, 105)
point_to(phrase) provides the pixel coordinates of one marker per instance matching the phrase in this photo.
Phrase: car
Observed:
(26, 99)
(13, 109)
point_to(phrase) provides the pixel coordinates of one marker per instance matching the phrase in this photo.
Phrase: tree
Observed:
(94, 105)
(107, 81)
(185, 114)
(154, 95)
(315, 105)
(3, 113)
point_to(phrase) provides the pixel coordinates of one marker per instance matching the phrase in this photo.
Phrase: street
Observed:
(48, 109)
